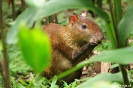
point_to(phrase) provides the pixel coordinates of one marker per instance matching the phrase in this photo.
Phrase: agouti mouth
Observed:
(95, 43)
(99, 42)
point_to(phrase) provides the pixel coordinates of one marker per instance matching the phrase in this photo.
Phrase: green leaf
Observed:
(125, 26)
(23, 82)
(114, 66)
(28, 16)
(35, 46)
(13, 82)
(48, 8)
(35, 3)
(102, 78)
(53, 84)
(119, 56)
(54, 6)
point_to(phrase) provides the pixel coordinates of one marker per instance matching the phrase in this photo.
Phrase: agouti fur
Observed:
(66, 40)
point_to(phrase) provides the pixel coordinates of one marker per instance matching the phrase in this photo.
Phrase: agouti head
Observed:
(84, 30)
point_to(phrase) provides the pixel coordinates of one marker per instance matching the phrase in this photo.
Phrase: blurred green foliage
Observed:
(21, 71)
(35, 46)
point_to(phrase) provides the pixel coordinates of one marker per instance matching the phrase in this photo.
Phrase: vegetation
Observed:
(25, 49)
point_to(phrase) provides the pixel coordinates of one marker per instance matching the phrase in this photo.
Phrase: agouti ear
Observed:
(73, 18)
(83, 14)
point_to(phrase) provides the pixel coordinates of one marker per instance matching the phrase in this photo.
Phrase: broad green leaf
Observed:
(119, 56)
(35, 3)
(54, 6)
(101, 84)
(48, 8)
(28, 16)
(35, 46)
(102, 79)
(114, 66)
(125, 26)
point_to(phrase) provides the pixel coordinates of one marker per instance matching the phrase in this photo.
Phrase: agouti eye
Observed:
(84, 26)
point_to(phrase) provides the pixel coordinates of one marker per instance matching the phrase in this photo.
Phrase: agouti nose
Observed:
(97, 38)
(100, 37)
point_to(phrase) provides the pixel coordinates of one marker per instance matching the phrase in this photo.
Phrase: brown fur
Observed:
(66, 40)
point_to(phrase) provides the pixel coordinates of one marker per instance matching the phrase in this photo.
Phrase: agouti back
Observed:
(66, 40)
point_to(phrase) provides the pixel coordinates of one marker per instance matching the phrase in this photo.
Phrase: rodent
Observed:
(66, 40)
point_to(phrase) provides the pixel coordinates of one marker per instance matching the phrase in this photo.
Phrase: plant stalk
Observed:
(7, 82)
(125, 77)
(13, 10)
(113, 30)
(110, 34)
(116, 16)
(117, 11)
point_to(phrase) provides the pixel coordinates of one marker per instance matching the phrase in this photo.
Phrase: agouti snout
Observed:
(66, 41)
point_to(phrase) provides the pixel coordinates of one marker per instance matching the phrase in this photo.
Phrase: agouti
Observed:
(66, 41)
